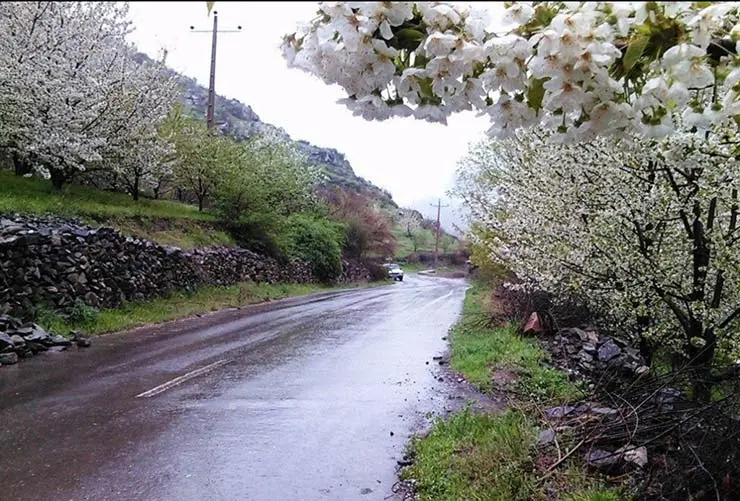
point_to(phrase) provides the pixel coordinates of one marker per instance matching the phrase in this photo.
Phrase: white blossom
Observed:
(580, 52)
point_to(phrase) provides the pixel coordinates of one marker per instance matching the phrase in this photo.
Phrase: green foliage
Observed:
(203, 157)
(421, 239)
(264, 175)
(317, 241)
(82, 313)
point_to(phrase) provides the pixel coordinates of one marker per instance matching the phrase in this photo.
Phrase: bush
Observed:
(377, 272)
(317, 241)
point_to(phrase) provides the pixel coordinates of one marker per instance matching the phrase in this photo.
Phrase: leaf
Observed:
(536, 93)
(634, 51)
(410, 34)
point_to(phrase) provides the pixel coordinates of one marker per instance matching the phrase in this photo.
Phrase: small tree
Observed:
(447, 241)
(420, 238)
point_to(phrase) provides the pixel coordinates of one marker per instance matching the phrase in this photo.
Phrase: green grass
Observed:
(183, 233)
(479, 456)
(18, 194)
(478, 352)
(475, 457)
(176, 306)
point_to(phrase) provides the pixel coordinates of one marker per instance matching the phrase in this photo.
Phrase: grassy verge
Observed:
(36, 196)
(477, 456)
(480, 352)
(176, 306)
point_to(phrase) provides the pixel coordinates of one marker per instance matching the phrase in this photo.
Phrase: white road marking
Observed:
(181, 379)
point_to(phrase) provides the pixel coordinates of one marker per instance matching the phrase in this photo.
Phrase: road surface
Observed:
(311, 399)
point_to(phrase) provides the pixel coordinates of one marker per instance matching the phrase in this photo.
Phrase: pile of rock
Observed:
(585, 352)
(19, 340)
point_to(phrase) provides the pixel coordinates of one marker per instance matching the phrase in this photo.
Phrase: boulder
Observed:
(533, 324)
(608, 351)
(8, 358)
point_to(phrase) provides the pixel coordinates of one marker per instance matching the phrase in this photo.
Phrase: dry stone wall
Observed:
(55, 262)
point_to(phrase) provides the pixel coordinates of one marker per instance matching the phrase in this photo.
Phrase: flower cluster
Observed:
(579, 69)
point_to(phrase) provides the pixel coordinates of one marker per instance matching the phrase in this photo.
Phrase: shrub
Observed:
(317, 241)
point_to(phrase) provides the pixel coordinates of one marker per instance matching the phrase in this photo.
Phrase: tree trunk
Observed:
(200, 203)
(58, 178)
(20, 167)
(700, 361)
(135, 189)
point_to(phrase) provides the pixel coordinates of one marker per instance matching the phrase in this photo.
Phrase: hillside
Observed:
(239, 120)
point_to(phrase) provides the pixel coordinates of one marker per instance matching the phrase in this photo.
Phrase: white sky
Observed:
(414, 160)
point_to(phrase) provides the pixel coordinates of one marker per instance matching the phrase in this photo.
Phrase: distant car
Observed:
(395, 272)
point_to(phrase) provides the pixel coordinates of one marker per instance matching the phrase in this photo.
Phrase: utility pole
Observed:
(211, 108)
(436, 240)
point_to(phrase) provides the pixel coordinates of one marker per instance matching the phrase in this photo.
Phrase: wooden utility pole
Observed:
(436, 240)
(211, 107)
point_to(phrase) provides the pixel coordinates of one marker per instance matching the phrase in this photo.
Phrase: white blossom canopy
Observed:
(579, 69)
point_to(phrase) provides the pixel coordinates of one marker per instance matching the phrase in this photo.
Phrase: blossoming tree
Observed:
(646, 230)
(579, 69)
(72, 98)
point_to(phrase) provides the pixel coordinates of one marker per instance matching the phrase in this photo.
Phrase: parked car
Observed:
(394, 271)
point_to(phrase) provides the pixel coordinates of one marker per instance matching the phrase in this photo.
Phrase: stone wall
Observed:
(54, 262)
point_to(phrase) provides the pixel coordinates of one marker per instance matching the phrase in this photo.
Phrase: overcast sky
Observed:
(414, 160)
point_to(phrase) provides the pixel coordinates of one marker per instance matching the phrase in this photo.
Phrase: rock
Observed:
(667, 397)
(6, 342)
(637, 456)
(80, 340)
(9, 323)
(8, 358)
(35, 333)
(585, 357)
(642, 370)
(608, 350)
(533, 324)
(57, 340)
(546, 436)
(601, 459)
(592, 337)
(404, 462)
(17, 340)
(36, 346)
(589, 348)
(572, 350)
(558, 412)
(606, 411)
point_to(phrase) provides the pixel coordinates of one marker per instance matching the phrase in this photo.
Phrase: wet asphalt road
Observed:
(311, 400)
